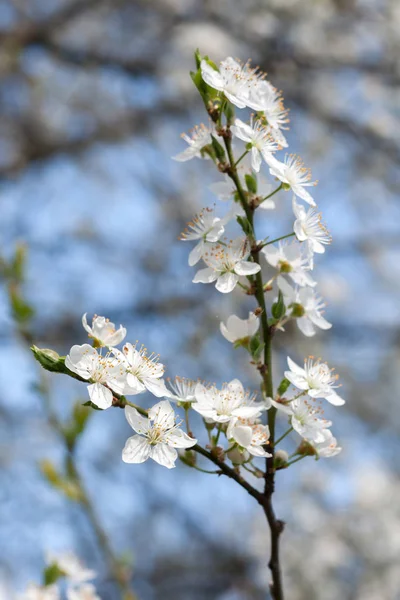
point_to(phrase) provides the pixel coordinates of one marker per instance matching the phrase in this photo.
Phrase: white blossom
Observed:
(87, 591)
(317, 379)
(103, 331)
(307, 306)
(289, 259)
(250, 435)
(309, 228)
(206, 228)
(225, 263)
(201, 137)
(305, 418)
(157, 437)
(221, 405)
(38, 592)
(71, 566)
(328, 447)
(239, 329)
(104, 372)
(264, 97)
(182, 389)
(143, 371)
(292, 173)
(258, 136)
(233, 79)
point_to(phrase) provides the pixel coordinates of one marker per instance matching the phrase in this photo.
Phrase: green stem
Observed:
(241, 157)
(205, 470)
(283, 237)
(275, 525)
(283, 436)
(296, 460)
(271, 194)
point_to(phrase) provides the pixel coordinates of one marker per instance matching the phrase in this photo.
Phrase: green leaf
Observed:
(22, 311)
(245, 225)
(51, 361)
(17, 266)
(251, 183)
(278, 307)
(90, 403)
(229, 112)
(218, 149)
(283, 386)
(52, 573)
(256, 347)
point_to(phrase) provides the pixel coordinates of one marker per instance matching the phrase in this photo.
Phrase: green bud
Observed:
(218, 149)
(286, 186)
(278, 307)
(251, 183)
(256, 347)
(229, 112)
(283, 386)
(297, 310)
(188, 457)
(51, 361)
(245, 225)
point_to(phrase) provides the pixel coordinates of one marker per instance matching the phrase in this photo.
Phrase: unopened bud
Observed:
(281, 458)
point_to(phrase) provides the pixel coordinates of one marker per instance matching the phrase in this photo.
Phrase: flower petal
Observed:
(100, 395)
(164, 455)
(226, 283)
(162, 414)
(137, 449)
(247, 268)
(138, 423)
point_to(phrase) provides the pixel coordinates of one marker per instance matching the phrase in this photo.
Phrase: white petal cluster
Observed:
(290, 260)
(157, 436)
(240, 329)
(130, 372)
(222, 405)
(204, 228)
(103, 332)
(201, 137)
(76, 577)
(261, 142)
(250, 435)
(182, 390)
(316, 378)
(225, 264)
(38, 592)
(295, 176)
(306, 306)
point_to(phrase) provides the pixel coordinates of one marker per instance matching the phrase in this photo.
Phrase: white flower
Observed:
(222, 405)
(292, 173)
(71, 566)
(103, 371)
(232, 78)
(309, 228)
(306, 306)
(103, 331)
(142, 371)
(316, 379)
(205, 227)
(289, 259)
(238, 329)
(158, 436)
(86, 591)
(258, 136)
(264, 97)
(37, 592)
(304, 418)
(328, 447)
(225, 264)
(249, 435)
(224, 190)
(201, 137)
(182, 389)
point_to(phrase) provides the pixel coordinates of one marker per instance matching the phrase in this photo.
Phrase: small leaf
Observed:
(251, 183)
(218, 149)
(278, 307)
(283, 386)
(245, 225)
(52, 573)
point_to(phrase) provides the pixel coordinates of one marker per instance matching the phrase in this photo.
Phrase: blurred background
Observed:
(93, 97)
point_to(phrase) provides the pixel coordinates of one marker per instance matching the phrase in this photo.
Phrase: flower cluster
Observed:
(65, 566)
(231, 262)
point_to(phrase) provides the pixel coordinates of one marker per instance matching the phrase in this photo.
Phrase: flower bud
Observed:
(280, 459)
